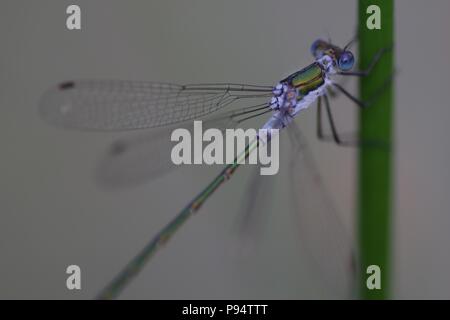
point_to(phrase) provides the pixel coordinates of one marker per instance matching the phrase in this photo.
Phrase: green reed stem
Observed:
(375, 164)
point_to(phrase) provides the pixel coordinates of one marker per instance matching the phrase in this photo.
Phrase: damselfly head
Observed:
(343, 59)
(319, 47)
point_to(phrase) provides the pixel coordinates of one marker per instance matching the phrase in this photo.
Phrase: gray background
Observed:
(53, 214)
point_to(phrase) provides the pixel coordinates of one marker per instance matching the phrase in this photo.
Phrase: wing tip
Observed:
(51, 106)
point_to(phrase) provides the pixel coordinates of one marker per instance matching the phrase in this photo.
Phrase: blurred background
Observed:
(53, 214)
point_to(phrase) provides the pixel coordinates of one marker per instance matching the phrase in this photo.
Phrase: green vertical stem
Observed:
(375, 163)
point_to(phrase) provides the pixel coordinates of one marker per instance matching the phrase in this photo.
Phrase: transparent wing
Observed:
(321, 230)
(145, 156)
(256, 205)
(125, 105)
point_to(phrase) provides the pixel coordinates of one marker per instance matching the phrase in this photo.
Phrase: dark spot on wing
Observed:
(118, 148)
(67, 85)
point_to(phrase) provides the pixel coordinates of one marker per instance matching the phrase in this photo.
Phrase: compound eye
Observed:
(346, 61)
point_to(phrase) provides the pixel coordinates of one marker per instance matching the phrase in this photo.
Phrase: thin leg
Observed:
(331, 121)
(319, 119)
(371, 100)
(335, 136)
(365, 73)
(362, 104)
(350, 140)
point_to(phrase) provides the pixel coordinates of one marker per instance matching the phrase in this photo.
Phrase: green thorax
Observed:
(308, 79)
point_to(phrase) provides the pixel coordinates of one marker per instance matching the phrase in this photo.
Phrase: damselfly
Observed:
(126, 105)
